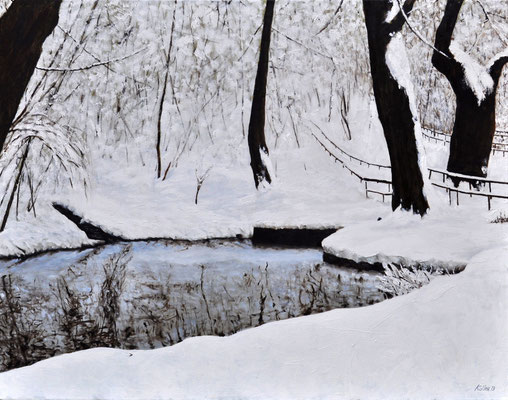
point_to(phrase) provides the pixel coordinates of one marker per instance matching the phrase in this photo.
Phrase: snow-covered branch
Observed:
(397, 22)
(496, 65)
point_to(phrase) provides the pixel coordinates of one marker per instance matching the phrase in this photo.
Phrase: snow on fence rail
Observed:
(445, 175)
(470, 180)
(450, 190)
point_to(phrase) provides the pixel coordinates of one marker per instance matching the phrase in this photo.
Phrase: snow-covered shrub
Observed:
(399, 280)
(501, 218)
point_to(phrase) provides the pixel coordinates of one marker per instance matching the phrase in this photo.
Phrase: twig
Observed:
(331, 19)
(87, 67)
(418, 35)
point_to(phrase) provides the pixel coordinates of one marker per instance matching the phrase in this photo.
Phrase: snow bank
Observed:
(445, 341)
(447, 237)
(127, 202)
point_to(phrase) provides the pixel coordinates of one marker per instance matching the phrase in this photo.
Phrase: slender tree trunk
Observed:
(475, 117)
(256, 133)
(394, 108)
(23, 29)
(15, 187)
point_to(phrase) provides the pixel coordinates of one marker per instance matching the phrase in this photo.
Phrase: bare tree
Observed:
(23, 29)
(256, 134)
(393, 105)
(345, 100)
(475, 116)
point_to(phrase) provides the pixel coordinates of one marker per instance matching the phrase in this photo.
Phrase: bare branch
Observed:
(396, 24)
(494, 26)
(418, 35)
(497, 64)
(303, 45)
(331, 19)
(448, 66)
(87, 67)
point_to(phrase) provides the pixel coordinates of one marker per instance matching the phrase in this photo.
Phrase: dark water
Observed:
(147, 295)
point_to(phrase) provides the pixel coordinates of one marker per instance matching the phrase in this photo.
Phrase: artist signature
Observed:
(484, 388)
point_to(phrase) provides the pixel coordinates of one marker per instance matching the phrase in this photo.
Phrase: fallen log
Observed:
(299, 237)
(358, 265)
(92, 231)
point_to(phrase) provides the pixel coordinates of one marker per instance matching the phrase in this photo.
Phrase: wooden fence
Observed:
(445, 175)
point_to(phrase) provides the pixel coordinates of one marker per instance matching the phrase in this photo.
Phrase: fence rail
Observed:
(499, 133)
(450, 190)
(468, 178)
(440, 136)
(351, 157)
(444, 174)
(363, 179)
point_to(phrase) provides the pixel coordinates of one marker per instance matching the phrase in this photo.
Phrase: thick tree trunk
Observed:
(473, 133)
(394, 109)
(475, 118)
(23, 29)
(256, 134)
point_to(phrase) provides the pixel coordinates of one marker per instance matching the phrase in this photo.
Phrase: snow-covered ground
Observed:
(309, 190)
(446, 340)
(447, 238)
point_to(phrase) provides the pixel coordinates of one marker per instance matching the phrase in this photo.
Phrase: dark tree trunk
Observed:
(23, 29)
(256, 135)
(394, 108)
(475, 119)
(473, 133)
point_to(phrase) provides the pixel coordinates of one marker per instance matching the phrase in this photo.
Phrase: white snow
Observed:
(501, 54)
(398, 64)
(394, 10)
(265, 159)
(445, 341)
(477, 76)
(447, 237)
(127, 202)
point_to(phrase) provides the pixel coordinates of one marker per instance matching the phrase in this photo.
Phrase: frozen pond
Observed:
(152, 294)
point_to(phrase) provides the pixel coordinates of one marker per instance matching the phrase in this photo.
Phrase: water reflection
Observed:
(147, 295)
